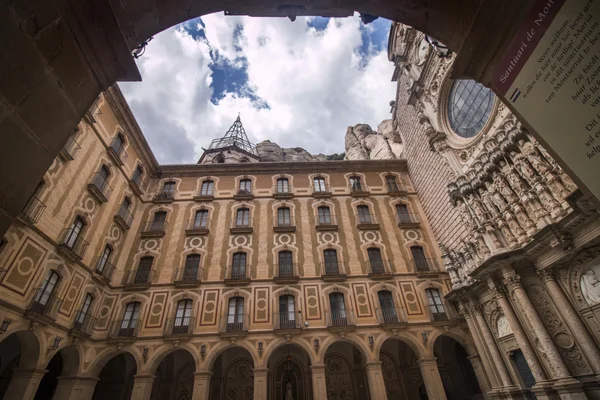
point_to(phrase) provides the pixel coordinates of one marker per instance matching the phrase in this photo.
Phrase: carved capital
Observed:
(514, 282)
(475, 309)
(547, 274)
(499, 291)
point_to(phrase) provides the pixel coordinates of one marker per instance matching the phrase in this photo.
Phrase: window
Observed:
(169, 187)
(285, 263)
(126, 203)
(246, 186)
(207, 188)
(363, 215)
(192, 264)
(418, 254)
(284, 216)
(238, 268)
(138, 174)
(103, 259)
(235, 314)
(324, 215)
(74, 232)
(130, 319)
(118, 143)
(158, 223)
(388, 311)
(403, 215)
(338, 309)
(142, 274)
(355, 184)
(85, 308)
(436, 306)
(183, 316)
(469, 107)
(283, 185)
(375, 260)
(391, 183)
(201, 219)
(287, 312)
(100, 180)
(331, 262)
(319, 184)
(242, 217)
(47, 288)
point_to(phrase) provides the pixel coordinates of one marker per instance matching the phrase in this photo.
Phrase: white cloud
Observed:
(312, 81)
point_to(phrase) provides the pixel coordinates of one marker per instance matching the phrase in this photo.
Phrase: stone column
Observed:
(142, 387)
(482, 380)
(571, 317)
(432, 378)
(488, 380)
(24, 384)
(318, 382)
(375, 379)
(201, 385)
(260, 383)
(75, 388)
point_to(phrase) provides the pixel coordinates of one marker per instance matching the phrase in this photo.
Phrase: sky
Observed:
(298, 84)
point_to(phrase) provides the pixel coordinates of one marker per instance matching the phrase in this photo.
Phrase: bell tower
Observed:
(233, 147)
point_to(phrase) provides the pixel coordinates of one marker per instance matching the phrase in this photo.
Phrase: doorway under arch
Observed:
(232, 375)
(289, 367)
(19, 350)
(345, 373)
(116, 378)
(458, 376)
(174, 377)
(401, 373)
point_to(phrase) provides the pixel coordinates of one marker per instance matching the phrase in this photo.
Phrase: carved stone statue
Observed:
(590, 286)
(525, 168)
(514, 180)
(504, 189)
(465, 215)
(477, 208)
(503, 326)
(489, 203)
(535, 158)
(288, 391)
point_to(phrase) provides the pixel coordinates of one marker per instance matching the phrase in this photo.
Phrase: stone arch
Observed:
(159, 354)
(31, 346)
(572, 276)
(64, 362)
(417, 347)
(104, 356)
(399, 355)
(289, 364)
(116, 369)
(454, 366)
(350, 338)
(214, 352)
(456, 334)
(281, 342)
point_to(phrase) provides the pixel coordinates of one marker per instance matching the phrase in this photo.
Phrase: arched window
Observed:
(83, 314)
(45, 292)
(192, 265)
(436, 305)
(330, 260)
(364, 217)
(73, 234)
(392, 184)
(420, 261)
(287, 312)
(338, 309)
(324, 215)
(130, 319)
(183, 317)
(283, 185)
(103, 259)
(284, 216)
(242, 218)
(388, 313)
(201, 219)
(245, 186)
(469, 107)
(286, 265)
(238, 267)
(235, 315)
(319, 184)
(142, 275)
(355, 183)
(375, 260)
(159, 220)
(207, 188)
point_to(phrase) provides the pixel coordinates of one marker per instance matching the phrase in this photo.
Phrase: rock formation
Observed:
(362, 143)
(269, 151)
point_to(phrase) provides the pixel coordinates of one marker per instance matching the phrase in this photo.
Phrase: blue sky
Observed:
(299, 84)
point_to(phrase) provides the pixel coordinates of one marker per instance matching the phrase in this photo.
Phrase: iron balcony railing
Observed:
(326, 220)
(138, 277)
(198, 224)
(283, 190)
(358, 187)
(234, 323)
(391, 315)
(331, 268)
(45, 303)
(125, 215)
(34, 209)
(140, 181)
(340, 318)
(287, 320)
(241, 223)
(393, 187)
(423, 264)
(72, 240)
(125, 328)
(188, 274)
(154, 227)
(366, 219)
(438, 316)
(71, 148)
(118, 150)
(84, 322)
(164, 195)
(320, 189)
(179, 326)
(237, 273)
(287, 270)
(207, 192)
(104, 268)
(379, 267)
(100, 182)
(407, 219)
(244, 192)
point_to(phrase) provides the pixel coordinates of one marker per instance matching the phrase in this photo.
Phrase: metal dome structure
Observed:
(235, 136)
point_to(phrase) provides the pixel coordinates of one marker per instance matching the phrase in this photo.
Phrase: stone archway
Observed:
(345, 373)
(174, 377)
(116, 378)
(401, 372)
(232, 375)
(19, 354)
(458, 376)
(64, 363)
(289, 367)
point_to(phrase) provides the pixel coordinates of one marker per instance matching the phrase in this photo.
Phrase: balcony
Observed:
(234, 325)
(379, 269)
(332, 271)
(284, 224)
(138, 278)
(287, 322)
(138, 183)
(243, 194)
(320, 192)
(179, 327)
(188, 277)
(206, 195)
(423, 265)
(70, 149)
(154, 229)
(407, 220)
(326, 223)
(124, 329)
(395, 189)
(367, 222)
(43, 306)
(340, 320)
(104, 269)
(198, 227)
(124, 218)
(164, 196)
(33, 210)
(285, 273)
(72, 244)
(283, 191)
(438, 316)
(391, 317)
(99, 188)
(241, 226)
(83, 325)
(117, 152)
(359, 190)
(237, 276)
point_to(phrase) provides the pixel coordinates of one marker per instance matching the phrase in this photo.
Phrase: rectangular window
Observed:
(142, 275)
(132, 313)
(388, 311)
(331, 262)
(169, 187)
(284, 217)
(235, 314)
(319, 184)
(201, 219)
(207, 188)
(242, 217)
(436, 306)
(183, 316)
(403, 215)
(245, 186)
(283, 185)
(419, 259)
(74, 232)
(238, 269)
(355, 183)
(375, 260)
(391, 183)
(287, 314)
(338, 309)
(363, 215)
(324, 216)
(104, 258)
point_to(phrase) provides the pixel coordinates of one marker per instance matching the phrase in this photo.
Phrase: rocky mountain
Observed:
(269, 151)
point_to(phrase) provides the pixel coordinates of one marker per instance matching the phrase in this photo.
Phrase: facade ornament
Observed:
(477, 208)
(513, 281)
(534, 157)
(502, 187)
(546, 274)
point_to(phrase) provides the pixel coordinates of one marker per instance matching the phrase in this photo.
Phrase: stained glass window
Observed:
(469, 107)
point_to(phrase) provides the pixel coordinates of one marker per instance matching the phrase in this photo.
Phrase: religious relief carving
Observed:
(590, 284)
(502, 327)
